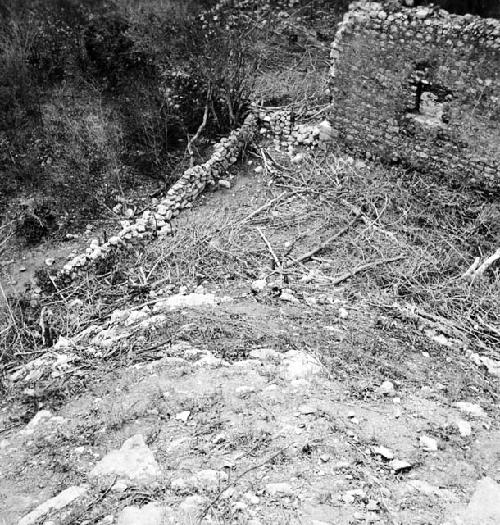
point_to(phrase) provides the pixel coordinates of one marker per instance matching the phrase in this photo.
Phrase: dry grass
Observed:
(437, 231)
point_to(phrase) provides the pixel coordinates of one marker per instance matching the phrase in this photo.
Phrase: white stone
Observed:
(464, 427)
(209, 479)
(429, 444)
(264, 354)
(251, 498)
(192, 505)
(183, 416)
(37, 419)
(150, 514)
(398, 465)
(209, 360)
(192, 300)
(384, 452)
(259, 285)
(343, 313)
(134, 461)
(118, 316)
(422, 486)
(244, 390)
(298, 365)
(484, 506)
(62, 500)
(470, 408)
(386, 388)
(136, 316)
(288, 297)
(279, 489)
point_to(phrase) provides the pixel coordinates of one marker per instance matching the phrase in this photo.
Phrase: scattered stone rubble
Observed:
(190, 482)
(64, 358)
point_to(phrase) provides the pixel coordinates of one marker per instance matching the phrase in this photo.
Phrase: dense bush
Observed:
(95, 95)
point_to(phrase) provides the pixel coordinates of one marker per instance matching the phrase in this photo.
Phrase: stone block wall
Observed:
(420, 87)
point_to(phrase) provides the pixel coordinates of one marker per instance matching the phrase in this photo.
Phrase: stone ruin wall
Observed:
(181, 195)
(281, 125)
(382, 60)
(420, 87)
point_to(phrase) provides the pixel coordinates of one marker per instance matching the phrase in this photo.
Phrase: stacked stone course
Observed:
(279, 124)
(421, 87)
(283, 127)
(382, 60)
(179, 196)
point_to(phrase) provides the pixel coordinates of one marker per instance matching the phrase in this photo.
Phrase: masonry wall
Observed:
(420, 87)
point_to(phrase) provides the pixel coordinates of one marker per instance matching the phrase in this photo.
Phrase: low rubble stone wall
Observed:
(179, 196)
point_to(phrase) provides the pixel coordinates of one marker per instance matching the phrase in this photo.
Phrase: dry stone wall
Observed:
(284, 126)
(279, 124)
(180, 196)
(420, 87)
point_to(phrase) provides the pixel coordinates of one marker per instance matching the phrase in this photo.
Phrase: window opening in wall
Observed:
(431, 101)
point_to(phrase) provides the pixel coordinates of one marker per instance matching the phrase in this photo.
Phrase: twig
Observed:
(472, 268)
(54, 284)
(323, 245)
(364, 267)
(263, 207)
(494, 330)
(195, 137)
(270, 248)
(474, 272)
(355, 209)
(233, 483)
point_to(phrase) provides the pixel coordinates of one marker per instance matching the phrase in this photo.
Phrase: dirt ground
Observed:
(317, 404)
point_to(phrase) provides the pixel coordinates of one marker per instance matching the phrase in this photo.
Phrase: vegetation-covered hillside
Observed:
(97, 97)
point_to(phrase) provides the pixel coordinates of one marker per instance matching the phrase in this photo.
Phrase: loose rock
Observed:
(429, 444)
(62, 500)
(464, 427)
(150, 514)
(279, 489)
(470, 408)
(134, 461)
(484, 506)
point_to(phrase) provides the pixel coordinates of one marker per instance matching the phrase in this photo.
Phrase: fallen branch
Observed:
(369, 222)
(476, 270)
(490, 328)
(270, 248)
(195, 137)
(323, 245)
(235, 481)
(362, 268)
(263, 207)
